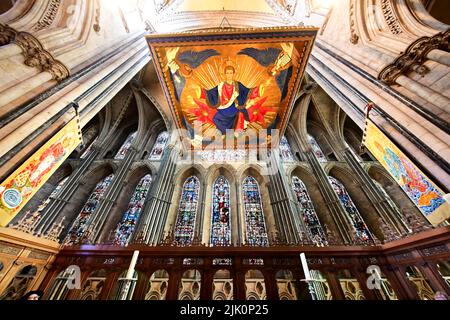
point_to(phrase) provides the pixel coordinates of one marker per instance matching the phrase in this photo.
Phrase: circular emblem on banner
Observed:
(12, 198)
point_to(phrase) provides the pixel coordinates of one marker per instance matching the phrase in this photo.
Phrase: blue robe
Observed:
(226, 119)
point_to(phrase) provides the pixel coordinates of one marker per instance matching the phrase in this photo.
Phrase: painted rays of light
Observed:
(127, 225)
(316, 149)
(357, 221)
(84, 218)
(187, 211)
(125, 147)
(308, 212)
(158, 148)
(220, 221)
(254, 215)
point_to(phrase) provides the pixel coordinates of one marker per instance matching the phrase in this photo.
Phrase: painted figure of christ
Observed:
(231, 99)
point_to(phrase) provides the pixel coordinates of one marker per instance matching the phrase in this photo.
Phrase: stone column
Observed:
(285, 210)
(377, 199)
(100, 215)
(331, 199)
(154, 215)
(56, 205)
(424, 92)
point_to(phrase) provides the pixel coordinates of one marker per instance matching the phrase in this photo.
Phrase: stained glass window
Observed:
(126, 226)
(308, 212)
(187, 211)
(357, 221)
(316, 149)
(125, 147)
(158, 148)
(221, 221)
(81, 223)
(254, 215)
(285, 150)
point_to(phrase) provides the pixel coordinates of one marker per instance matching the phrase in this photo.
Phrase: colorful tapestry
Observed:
(419, 188)
(23, 184)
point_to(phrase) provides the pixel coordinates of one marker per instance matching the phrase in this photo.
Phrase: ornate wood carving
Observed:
(414, 57)
(37, 56)
(441, 249)
(49, 16)
(9, 250)
(38, 255)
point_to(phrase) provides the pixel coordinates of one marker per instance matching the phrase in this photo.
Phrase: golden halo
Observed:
(228, 63)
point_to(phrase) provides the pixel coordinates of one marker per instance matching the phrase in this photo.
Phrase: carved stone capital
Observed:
(36, 56)
(7, 34)
(414, 57)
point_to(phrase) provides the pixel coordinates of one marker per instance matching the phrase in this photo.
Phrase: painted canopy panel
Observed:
(244, 80)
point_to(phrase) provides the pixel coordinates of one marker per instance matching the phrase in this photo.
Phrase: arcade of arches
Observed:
(223, 226)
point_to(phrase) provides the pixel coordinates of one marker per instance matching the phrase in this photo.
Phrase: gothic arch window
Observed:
(125, 147)
(82, 222)
(362, 232)
(254, 215)
(187, 211)
(126, 226)
(316, 149)
(308, 212)
(158, 148)
(285, 150)
(220, 221)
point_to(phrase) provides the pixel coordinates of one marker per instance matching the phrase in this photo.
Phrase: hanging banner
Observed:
(419, 188)
(23, 184)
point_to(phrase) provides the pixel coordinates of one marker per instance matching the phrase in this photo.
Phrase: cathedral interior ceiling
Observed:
(243, 80)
